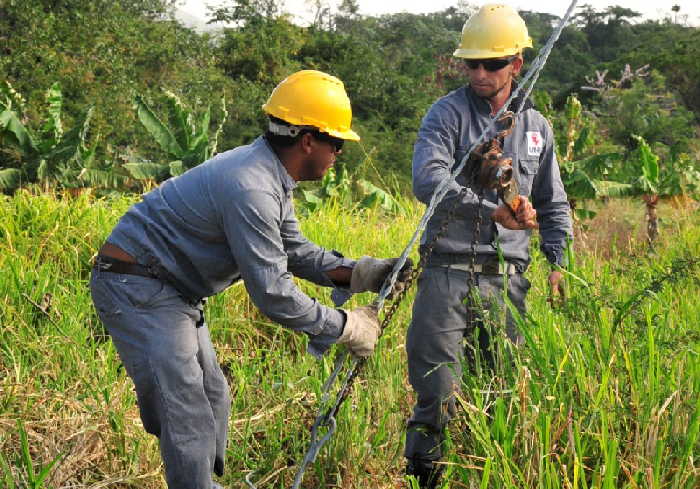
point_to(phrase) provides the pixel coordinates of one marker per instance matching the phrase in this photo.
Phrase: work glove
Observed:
(361, 330)
(370, 273)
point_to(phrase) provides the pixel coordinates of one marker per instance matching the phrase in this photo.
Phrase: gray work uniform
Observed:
(434, 341)
(230, 218)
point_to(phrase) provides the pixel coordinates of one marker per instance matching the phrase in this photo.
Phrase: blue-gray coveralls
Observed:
(434, 341)
(228, 219)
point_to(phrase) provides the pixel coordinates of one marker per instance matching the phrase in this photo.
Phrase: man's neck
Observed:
(498, 101)
(289, 161)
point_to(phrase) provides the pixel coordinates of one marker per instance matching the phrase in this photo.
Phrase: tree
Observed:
(645, 107)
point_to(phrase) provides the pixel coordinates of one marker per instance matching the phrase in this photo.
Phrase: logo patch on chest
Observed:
(535, 143)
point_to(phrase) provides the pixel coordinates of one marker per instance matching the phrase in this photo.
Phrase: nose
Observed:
(479, 71)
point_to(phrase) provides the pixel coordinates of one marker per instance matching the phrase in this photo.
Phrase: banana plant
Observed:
(186, 142)
(46, 154)
(336, 185)
(647, 182)
(651, 180)
(585, 176)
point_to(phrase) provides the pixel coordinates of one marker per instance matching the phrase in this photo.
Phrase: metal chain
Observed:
(471, 280)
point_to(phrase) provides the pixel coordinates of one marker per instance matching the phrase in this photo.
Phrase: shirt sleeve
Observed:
(252, 224)
(552, 205)
(307, 260)
(434, 157)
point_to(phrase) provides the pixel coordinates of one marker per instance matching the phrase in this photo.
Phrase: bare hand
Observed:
(526, 214)
(524, 218)
(556, 287)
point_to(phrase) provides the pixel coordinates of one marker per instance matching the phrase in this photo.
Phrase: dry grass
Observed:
(619, 227)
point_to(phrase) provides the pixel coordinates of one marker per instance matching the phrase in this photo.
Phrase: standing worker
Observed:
(492, 43)
(228, 219)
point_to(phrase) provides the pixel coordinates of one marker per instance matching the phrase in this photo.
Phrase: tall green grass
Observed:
(595, 399)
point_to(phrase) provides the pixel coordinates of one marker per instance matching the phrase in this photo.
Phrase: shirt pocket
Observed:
(527, 170)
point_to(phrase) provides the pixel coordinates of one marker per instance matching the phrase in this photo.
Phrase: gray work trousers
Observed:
(436, 350)
(182, 393)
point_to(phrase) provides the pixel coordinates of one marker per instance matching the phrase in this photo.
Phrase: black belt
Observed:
(113, 265)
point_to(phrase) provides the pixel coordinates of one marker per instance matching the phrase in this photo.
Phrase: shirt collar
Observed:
(288, 183)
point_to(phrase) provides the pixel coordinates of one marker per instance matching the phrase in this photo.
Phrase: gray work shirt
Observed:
(231, 218)
(447, 132)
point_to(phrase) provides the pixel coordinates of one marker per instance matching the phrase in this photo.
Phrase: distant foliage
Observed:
(102, 54)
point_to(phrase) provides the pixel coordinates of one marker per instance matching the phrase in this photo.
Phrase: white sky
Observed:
(303, 9)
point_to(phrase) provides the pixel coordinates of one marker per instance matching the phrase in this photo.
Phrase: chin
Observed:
(485, 92)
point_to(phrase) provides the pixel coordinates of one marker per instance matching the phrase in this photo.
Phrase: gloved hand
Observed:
(370, 273)
(361, 330)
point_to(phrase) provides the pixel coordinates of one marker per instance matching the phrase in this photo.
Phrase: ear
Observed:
(306, 142)
(517, 64)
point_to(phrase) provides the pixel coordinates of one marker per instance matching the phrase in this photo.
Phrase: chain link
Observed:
(472, 303)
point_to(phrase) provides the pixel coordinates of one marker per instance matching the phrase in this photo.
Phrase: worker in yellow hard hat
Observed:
(229, 219)
(465, 261)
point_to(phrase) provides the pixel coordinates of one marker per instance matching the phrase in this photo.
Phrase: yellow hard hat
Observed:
(313, 98)
(493, 32)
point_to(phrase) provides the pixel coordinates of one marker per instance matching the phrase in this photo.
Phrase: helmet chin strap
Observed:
(284, 130)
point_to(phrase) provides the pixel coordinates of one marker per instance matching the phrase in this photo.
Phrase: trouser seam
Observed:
(165, 419)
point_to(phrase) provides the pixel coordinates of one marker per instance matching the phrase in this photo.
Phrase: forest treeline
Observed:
(95, 86)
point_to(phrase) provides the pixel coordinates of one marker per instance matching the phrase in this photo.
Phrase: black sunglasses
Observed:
(490, 64)
(336, 142)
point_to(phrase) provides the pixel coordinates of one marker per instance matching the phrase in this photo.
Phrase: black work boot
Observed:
(427, 472)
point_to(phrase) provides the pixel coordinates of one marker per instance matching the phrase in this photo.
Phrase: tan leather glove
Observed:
(370, 273)
(361, 331)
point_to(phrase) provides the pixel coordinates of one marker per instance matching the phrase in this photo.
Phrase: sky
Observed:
(303, 10)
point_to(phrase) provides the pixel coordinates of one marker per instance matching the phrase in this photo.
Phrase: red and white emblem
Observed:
(534, 143)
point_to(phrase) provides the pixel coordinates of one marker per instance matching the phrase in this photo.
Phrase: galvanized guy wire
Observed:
(326, 417)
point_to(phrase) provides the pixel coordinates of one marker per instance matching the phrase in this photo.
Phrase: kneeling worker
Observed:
(230, 218)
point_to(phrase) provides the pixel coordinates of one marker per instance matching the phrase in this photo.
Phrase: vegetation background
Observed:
(101, 100)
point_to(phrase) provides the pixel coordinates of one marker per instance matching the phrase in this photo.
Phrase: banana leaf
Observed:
(148, 171)
(376, 196)
(53, 125)
(10, 178)
(183, 130)
(11, 128)
(70, 145)
(608, 188)
(160, 132)
(176, 168)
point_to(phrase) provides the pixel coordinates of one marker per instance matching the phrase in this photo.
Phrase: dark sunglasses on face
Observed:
(337, 143)
(490, 64)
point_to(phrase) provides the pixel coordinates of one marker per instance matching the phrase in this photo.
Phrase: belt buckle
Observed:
(101, 264)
